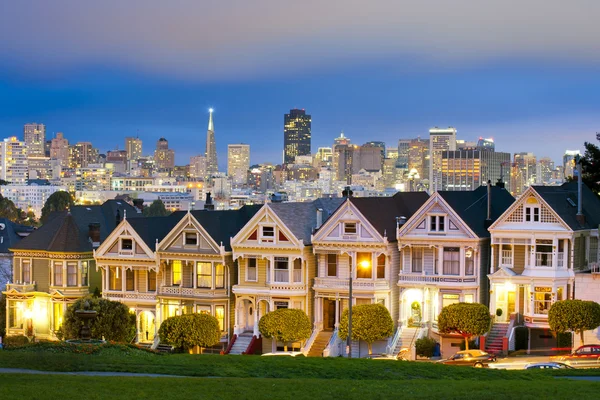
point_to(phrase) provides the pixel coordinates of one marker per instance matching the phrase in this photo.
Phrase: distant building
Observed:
(39, 167)
(198, 167)
(238, 163)
(133, 147)
(212, 165)
(82, 154)
(569, 163)
(34, 136)
(440, 140)
(296, 135)
(13, 160)
(59, 150)
(523, 173)
(465, 170)
(368, 157)
(164, 158)
(323, 158)
(30, 196)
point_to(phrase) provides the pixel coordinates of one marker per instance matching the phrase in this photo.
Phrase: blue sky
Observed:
(524, 73)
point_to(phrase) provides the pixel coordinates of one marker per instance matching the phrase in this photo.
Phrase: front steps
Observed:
(494, 339)
(319, 344)
(405, 341)
(241, 343)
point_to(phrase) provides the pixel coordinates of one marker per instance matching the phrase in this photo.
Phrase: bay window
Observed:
(542, 299)
(332, 265)
(58, 274)
(416, 259)
(71, 274)
(251, 269)
(176, 268)
(451, 261)
(363, 266)
(204, 274)
(381, 266)
(219, 276)
(282, 269)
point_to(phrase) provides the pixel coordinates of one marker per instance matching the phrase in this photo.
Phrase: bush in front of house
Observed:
(425, 347)
(184, 332)
(574, 315)
(465, 319)
(370, 322)
(286, 325)
(114, 321)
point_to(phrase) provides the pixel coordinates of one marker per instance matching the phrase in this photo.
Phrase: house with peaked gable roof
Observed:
(54, 266)
(358, 239)
(128, 264)
(539, 244)
(276, 265)
(445, 257)
(196, 265)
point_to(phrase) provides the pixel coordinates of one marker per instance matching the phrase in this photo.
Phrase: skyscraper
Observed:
(59, 150)
(238, 163)
(34, 136)
(82, 154)
(211, 148)
(468, 169)
(440, 140)
(198, 167)
(133, 146)
(296, 135)
(164, 158)
(569, 163)
(13, 160)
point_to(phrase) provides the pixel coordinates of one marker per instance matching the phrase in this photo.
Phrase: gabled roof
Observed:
(68, 231)
(151, 229)
(471, 206)
(11, 234)
(301, 218)
(563, 200)
(382, 212)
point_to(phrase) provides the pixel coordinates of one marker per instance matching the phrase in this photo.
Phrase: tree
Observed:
(58, 201)
(370, 322)
(114, 321)
(285, 325)
(466, 319)
(8, 210)
(189, 330)
(590, 167)
(156, 209)
(574, 315)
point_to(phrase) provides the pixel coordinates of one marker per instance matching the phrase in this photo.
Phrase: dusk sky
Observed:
(523, 72)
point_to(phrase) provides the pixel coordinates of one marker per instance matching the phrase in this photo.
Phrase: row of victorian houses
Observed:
(413, 253)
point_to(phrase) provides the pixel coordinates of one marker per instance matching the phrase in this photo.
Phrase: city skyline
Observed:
(384, 72)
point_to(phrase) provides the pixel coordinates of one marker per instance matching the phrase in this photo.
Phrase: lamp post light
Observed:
(363, 264)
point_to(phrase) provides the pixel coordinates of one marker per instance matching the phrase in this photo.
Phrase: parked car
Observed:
(585, 356)
(474, 358)
(285, 354)
(548, 365)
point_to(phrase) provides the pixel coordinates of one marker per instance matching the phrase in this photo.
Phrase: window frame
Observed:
(254, 267)
(179, 273)
(381, 267)
(329, 265)
(190, 235)
(60, 265)
(532, 213)
(352, 231)
(221, 275)
(361, 272)
(437, 223)
(29, 278)
(72, 268)
(413, 252)
(205, 277)
(452, 263)
(123, 241)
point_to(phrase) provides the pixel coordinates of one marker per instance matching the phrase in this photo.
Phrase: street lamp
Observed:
(362, 264)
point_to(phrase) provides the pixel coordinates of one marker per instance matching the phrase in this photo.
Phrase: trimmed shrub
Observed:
(15, 341)
(465, 319)
(425, 347)
(370, 322)
(285, 325)
(114, 322)
(186, 331)
(564, 340)
(574, 315)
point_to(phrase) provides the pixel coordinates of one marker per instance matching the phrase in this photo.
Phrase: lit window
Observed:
(176, 265)
(204, 275)
(350, 228)
(84, 273)
(220, 316)
(363, 266)
(219, 276)
(448, 299)
(542, 299)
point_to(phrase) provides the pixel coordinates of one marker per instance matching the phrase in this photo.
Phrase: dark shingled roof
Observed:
(69, 231)
(151, 229)
(556, 197)
(10, 234)
(471, 206)
(301, 218)
(381, 212)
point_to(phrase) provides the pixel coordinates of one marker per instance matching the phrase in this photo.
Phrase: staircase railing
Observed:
(230, 344)
(392, 346)
(333, 346)
(308, 344)
(507, 336)
(156, 342)
(255, 344)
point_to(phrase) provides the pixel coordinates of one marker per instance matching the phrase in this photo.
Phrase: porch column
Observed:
(291, 262)
(554, 252)
(195, 274)
(64, 273)
(337, 313)
(492, 267)
(107, 277)
(271, 261)
(78, 273)
(123, 279)
(440, 259)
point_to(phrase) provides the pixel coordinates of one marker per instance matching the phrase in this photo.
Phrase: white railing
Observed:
(282, 275)
(342, 283)
(130, 295)
(510, 334)
(506, 257)
(543, 259)
(306, 348)
(21, 287)
(595, 268)
(287, 286)
(333, 348)
(438, 278)
(391, 347)
(191, 292)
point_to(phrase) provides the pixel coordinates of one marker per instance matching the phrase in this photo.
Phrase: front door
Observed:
(511, 304)
(328, 314)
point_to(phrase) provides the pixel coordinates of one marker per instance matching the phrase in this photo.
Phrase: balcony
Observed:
(357, 284)
(21, 287)
(445, 279)
(179, 291)
(120, 295)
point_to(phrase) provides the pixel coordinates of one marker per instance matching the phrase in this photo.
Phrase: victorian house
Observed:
(538, 246)
(358, 241)
(54, 266)
(276, 265)
(445, 257)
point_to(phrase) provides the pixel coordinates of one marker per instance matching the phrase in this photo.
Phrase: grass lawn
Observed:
(253, 377)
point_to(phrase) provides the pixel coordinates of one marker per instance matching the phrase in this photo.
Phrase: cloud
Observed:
(235, 39)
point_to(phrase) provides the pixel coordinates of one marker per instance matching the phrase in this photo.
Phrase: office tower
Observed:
(419, 159)
(296, 135)
(368, 157)
(403, 150)
(522, 173)
(198, 167)
(392, 153)
(238, 163)
(569, 163)
(323, 158)
(212, 167)
(133, 147)
(82, 154)
(34, 136)
(440, 140)
(164, 158)
(341, 140)
(544, 170)
(464, 170)
(260, 177)
(343, 156)
(13, 160)
(59, 150)
(486, 144)
(381, 145)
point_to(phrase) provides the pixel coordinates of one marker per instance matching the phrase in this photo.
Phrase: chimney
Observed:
(94, 232)
(208, 204)
(139, 205)
(489, 200)
(319, 217)
(580, 217)
(118, 217)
